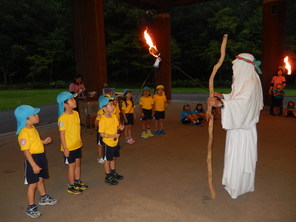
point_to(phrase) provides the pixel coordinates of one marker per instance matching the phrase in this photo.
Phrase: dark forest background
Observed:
(36, 39)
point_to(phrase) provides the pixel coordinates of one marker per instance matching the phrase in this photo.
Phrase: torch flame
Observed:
(287, 66)
(152, 48)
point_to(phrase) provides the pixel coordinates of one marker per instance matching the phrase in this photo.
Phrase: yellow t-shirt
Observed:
(117, 111)
(146, 102)
(108, 125)
(160, 102)
(29, 139)
(70, 123)
(129, 108)
(99, 114)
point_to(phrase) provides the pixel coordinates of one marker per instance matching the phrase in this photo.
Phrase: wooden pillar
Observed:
(161, 29)
(274, 16)
(89, 36)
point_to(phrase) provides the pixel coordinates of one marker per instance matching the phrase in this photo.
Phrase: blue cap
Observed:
(21, 114)
(61, 98)
(146, 88)
(103, 101)
(125, 91)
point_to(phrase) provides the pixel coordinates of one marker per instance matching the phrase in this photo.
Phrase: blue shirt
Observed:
(198, 111)
(279, 96)
(184, 113)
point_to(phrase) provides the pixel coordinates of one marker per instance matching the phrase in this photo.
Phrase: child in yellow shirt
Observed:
(160, 105)
(129, 115)
(147, 111)
(108, 129)
(71, 143)
(36, 168)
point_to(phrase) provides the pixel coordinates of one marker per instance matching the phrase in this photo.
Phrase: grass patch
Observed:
(10, 99)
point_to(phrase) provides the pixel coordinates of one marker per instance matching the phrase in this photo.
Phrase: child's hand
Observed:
(121, 127)
(47, 140)
(66, 153)
(36, 169)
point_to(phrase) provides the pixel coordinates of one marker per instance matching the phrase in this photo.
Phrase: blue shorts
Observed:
(110, 152)
(74, 154)
(41, 161)
(147, 114)
(159, 115)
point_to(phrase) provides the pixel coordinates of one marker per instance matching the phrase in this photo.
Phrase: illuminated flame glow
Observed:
(152, 48)
(287, 66)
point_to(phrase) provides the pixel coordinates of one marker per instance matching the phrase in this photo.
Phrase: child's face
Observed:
(280, 72)
(279, 87)
(33, 119)
(71, 103)
(128, 95)
(199, 107)
(115, 101)
(109, 108)
(146, 92)
(159, 91)
(187, 108)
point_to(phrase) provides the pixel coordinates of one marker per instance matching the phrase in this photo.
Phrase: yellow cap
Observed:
(160, 87)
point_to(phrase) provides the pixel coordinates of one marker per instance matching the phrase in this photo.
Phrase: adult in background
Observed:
(276, 79)
(240, 112)
(77, 86)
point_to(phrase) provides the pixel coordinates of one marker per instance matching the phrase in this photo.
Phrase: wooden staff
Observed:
(210, 117)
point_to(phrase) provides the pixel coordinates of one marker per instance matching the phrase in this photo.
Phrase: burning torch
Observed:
(287, 65)
(152, 49)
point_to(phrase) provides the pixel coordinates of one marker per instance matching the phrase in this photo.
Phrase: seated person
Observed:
(199, 111)
(187, 116)
(290, 110)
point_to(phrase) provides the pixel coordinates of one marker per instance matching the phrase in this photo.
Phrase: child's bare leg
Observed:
(156, 124)
(113, 164)
(130, 131)
(144, 124)
(71, 172)
(41, 186)
(100, 151)
(161, 123)
(148, 124)
(31, 193)
(107, 167)
(77, 172)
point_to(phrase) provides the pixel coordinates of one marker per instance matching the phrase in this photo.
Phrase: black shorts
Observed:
(110, 152)
(278, 102)
(99, 139)
(41, 161)
(74, 154)
(130, 119)
(147, 114)
(159, 115)
(185, 121)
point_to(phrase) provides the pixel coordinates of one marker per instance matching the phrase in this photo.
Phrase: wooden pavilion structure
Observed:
(90, 39)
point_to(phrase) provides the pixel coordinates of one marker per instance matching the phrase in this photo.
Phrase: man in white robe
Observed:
(240, 112)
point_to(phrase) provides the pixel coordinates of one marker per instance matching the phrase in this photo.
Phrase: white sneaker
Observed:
(101, 160)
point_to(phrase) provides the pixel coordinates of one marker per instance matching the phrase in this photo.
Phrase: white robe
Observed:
(239, 117)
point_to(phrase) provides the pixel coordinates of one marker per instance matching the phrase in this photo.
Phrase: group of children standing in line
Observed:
(109, 130)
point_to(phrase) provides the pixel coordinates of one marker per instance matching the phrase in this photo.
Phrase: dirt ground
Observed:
(165, 178)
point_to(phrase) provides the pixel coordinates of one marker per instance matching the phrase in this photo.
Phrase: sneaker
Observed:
(110, 180)
(117, 176)
(161, 131)
(198, 124)
(149, 134)
(101, 160)
(81, 185)
(47, 200)
(33, 212)
(130, 141)
(144, 135)
(74, 189)
(156, 132)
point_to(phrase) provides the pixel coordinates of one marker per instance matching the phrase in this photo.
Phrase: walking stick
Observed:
(211, 119)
